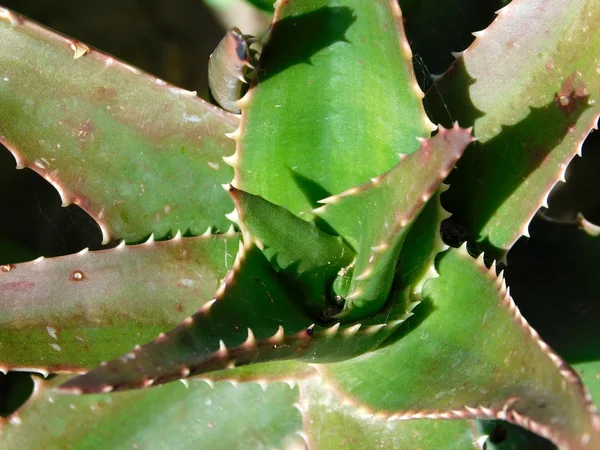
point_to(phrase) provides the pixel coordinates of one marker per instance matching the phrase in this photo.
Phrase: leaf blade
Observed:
(78, 121)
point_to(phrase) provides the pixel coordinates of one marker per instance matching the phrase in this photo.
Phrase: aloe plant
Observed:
(286, 264)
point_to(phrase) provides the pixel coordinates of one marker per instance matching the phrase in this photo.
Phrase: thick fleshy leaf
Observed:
(476, 357)
(423, 243)
(361, 109)
(170, 416)
(330, 425)
(72, 312)
(555, 277)
(139, 155)
(305, 256)
(251, 319)
(376, 217)
(531, 101)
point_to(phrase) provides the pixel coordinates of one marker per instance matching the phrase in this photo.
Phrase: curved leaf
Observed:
(110, 138)
(531, 101)
(330, 425)
(306, 257)
(72, 312)
(476, 357)
(555, 277)
(250, 319)
(351, 64)
(376, 217)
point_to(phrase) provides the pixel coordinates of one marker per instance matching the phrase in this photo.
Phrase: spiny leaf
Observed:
(555, 277)
(423, 243)
(351, 63)
(376, 217)
(476, 357)
(170, 416)
(251, 319)
(78, 117)
(531, 102)
(72, 312)
(330, 425)
(308, 258)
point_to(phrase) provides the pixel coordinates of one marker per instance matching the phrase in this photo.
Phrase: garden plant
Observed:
(324, 258)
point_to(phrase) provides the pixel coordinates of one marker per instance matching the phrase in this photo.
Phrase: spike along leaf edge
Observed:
(102, 410)
(183, 352)
(570, 95)
(483, 411)
(417, 276)
(422, 126)
(307, 257)
(35, 322)
(54, 163)
(378, 236)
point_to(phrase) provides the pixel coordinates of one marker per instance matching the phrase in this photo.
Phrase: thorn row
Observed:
(566, 372)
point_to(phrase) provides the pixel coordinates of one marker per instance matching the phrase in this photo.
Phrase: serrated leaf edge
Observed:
(481, 411)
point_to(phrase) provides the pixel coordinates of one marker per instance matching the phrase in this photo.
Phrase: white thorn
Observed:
(233, 216)
(250, 340)
(350, 331)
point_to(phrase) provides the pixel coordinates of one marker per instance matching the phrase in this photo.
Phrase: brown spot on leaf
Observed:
(104, 93)
(572, 91)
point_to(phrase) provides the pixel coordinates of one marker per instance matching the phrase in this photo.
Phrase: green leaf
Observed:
(72, 312)
(110, 138)
(350, 125)
(423, 243)
(476, 357)
(376, 217)
(170, 416)
(531, 102)
(330, 425)
(251, 319)
(306, 257)
(265, 5)
(555, 277)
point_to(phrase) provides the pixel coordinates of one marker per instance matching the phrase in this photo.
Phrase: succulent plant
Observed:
(325, 311)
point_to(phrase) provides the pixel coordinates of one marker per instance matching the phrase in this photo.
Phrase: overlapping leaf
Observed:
(307, 258)
(252, 318)
(330, 425)
(350, 125)
(531, 100)
(376, 217)
(453, 344)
